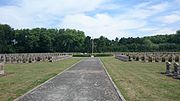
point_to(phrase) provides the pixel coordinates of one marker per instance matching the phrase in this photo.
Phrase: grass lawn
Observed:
(139, 81)
(23, 77)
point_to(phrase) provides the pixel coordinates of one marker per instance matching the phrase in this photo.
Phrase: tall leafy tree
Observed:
(6, 39)
(71, 40)
(87, 45)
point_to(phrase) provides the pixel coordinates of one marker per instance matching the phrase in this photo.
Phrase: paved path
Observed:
(85, 81)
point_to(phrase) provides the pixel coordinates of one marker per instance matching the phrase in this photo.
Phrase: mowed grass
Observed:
(23, 77)
(139, 81)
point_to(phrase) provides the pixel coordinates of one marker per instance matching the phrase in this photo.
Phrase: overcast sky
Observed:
(110, 18)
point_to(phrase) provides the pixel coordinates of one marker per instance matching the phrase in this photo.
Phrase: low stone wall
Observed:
(122, 57)
(58, 58)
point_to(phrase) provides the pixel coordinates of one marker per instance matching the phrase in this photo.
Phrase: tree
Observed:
(6, 39)
(177, 37)
(149, 45)
(22, 42)
(69, 40)
(87, 45)
(38, 40)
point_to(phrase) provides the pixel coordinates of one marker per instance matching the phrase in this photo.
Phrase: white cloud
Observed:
(146, 9)
(101, 24)
(149, 31)
(168, 19)
(92, 16)
(41, 13)
(159, 7)
(115, 26)
(60, 7)
(69, 14)
(164, 31)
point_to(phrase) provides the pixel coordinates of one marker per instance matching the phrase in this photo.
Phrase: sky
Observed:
(109, 18)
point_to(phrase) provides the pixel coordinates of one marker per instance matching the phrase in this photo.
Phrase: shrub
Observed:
(102, 54)
(81, 55)
(95, 55)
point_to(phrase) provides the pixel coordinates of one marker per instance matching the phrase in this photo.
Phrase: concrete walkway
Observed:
(85, 81)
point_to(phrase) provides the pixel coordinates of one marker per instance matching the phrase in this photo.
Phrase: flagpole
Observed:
(92, 47)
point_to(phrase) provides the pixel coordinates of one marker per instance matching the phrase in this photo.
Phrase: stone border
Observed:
(18, 98)
(114, 85)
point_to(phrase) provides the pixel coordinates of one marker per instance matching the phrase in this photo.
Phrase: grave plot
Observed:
(29, 58)
(22, 77)
(175, 73)
(151, 56)
(141, 81)
(172, 60)
(33, 57)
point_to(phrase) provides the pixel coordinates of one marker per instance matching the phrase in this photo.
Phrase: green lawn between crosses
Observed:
(21, 78)
(136, 80)
(140, 81)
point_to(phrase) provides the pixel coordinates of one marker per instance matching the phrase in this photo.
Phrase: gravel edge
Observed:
(114, 85)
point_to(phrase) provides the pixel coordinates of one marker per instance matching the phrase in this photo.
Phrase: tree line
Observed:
(42, 40)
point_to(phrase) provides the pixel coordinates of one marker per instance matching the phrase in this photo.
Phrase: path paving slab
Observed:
(85, 81)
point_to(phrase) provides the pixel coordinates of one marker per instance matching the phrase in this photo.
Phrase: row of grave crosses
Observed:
(175, 73)
(30, 58)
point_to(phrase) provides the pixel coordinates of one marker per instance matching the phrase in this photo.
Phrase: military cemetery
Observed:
(166, 62)
(89, 50)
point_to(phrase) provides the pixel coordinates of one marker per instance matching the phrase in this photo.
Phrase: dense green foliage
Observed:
(6, 39)
(70, 40)
(102, 54)
(94, 54)
(81, 55)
